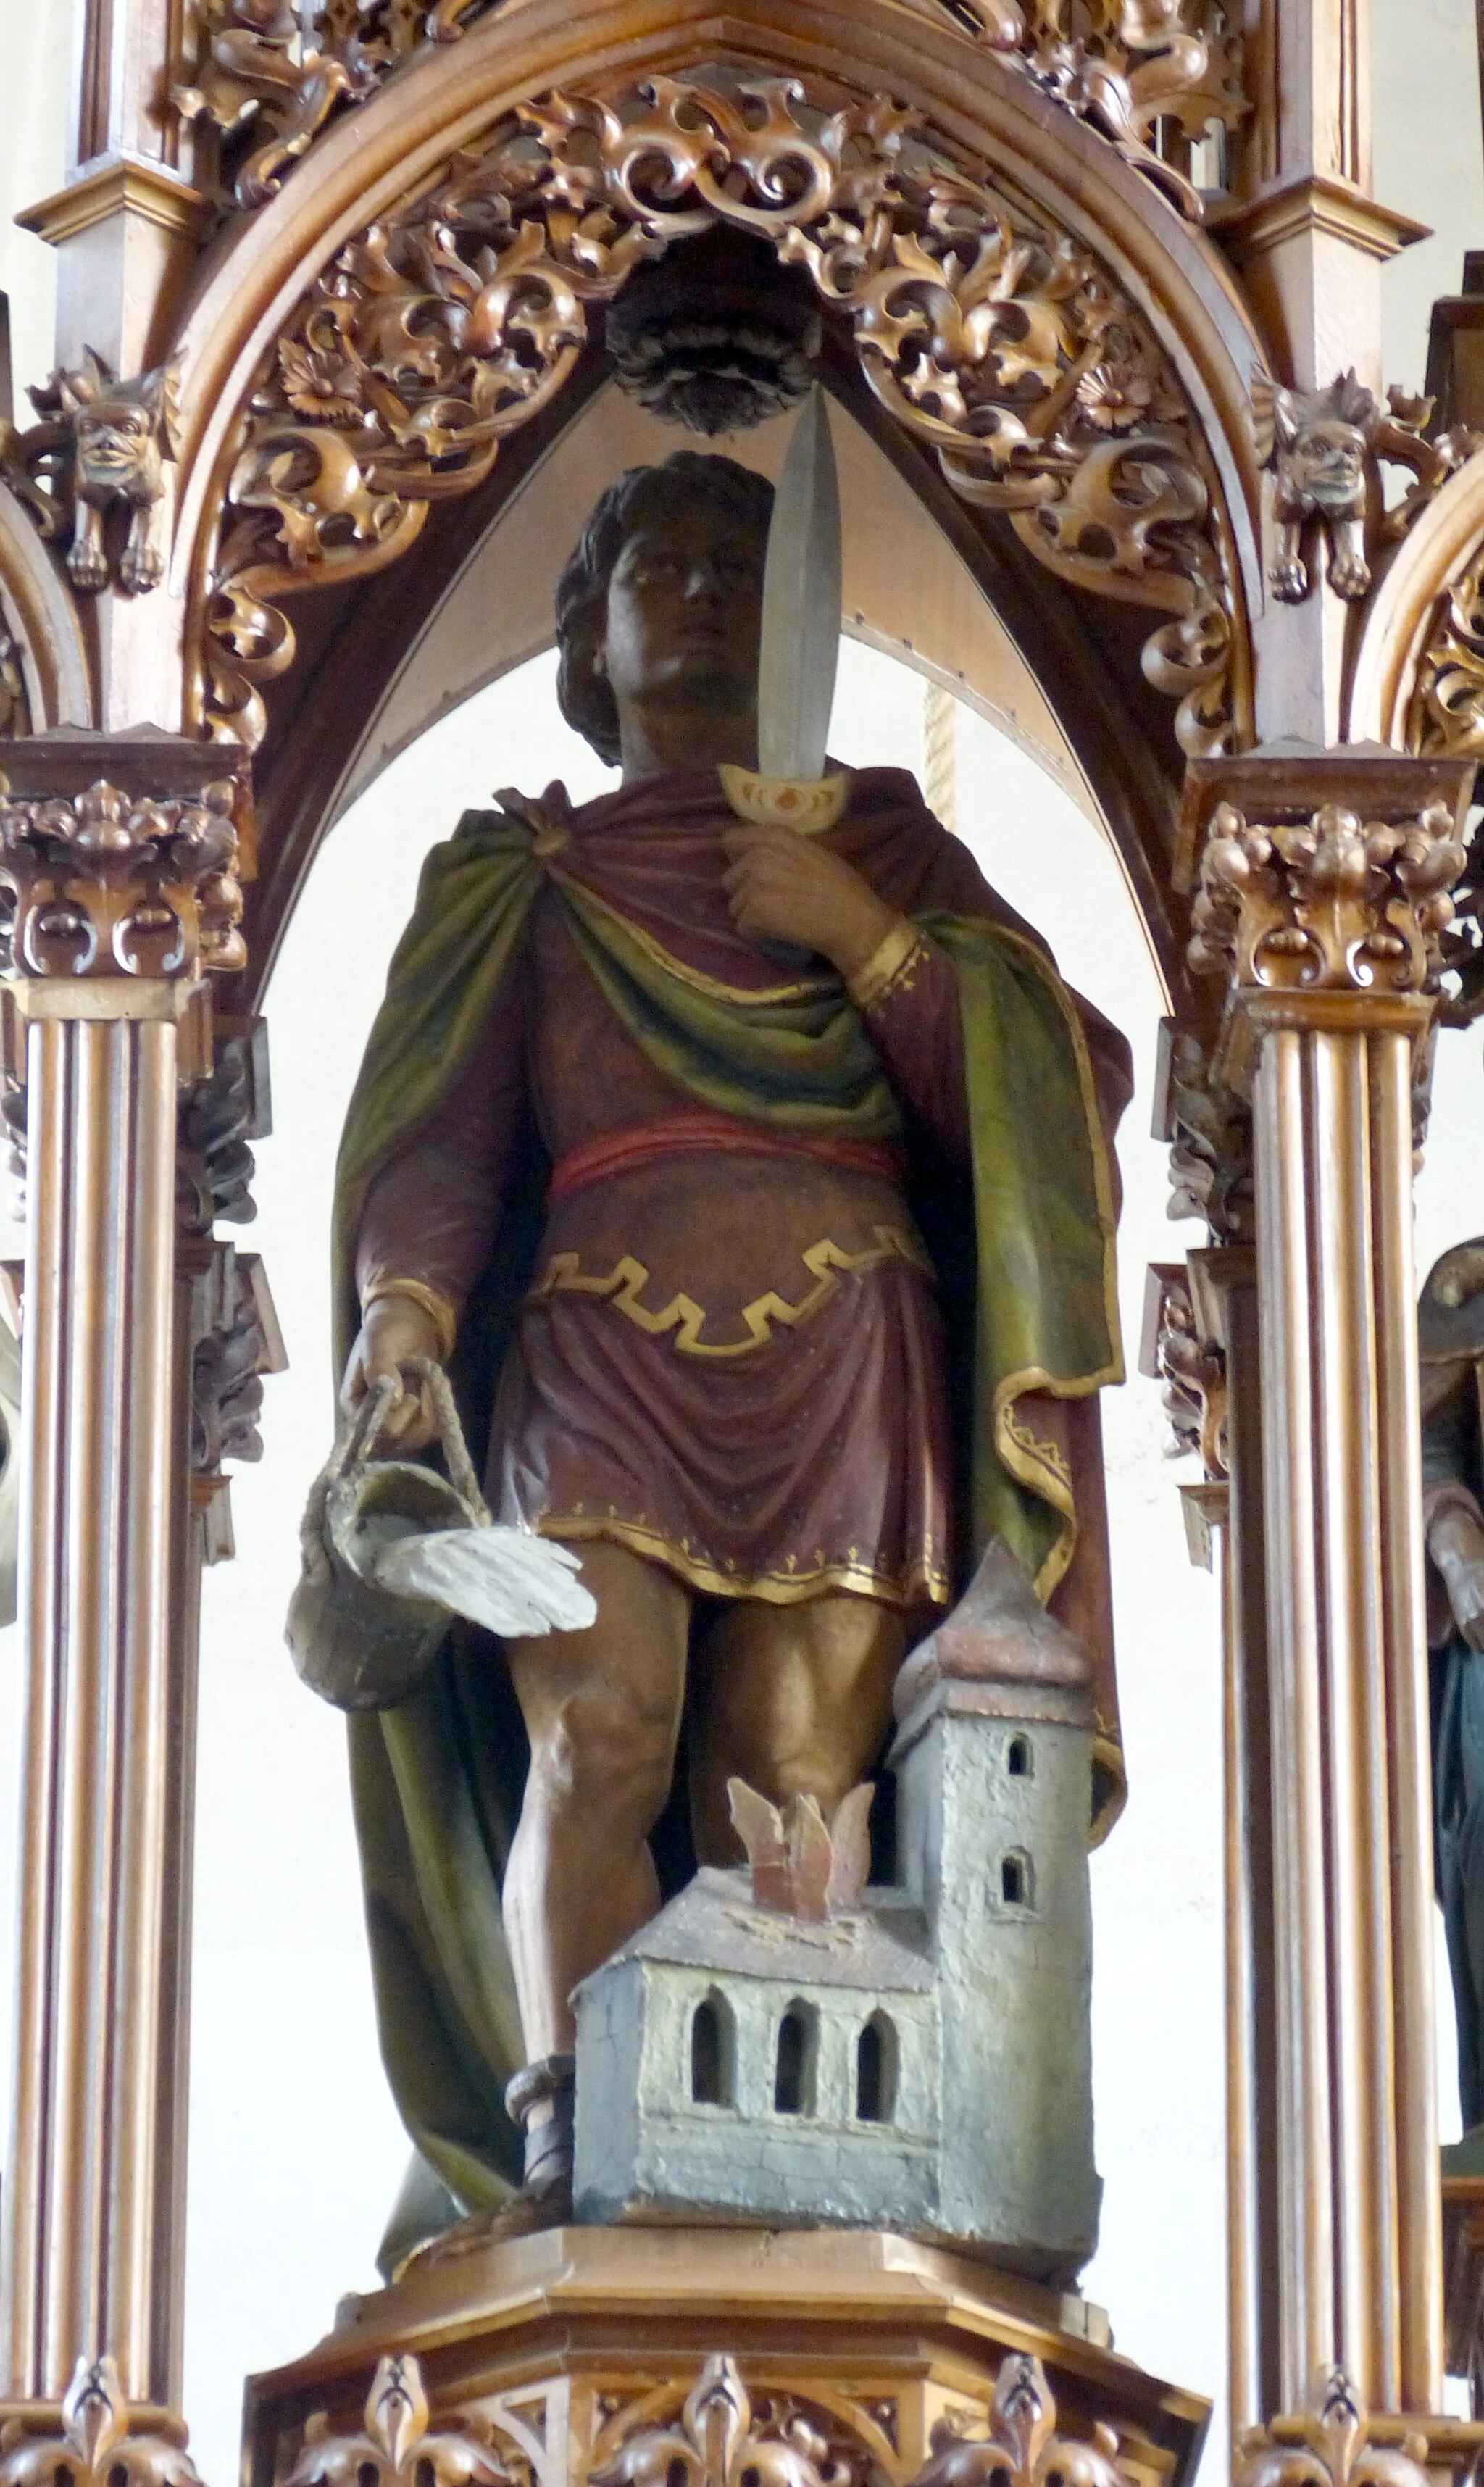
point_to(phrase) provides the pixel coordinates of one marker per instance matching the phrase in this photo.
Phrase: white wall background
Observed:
(296, 2148)
(285, 2082)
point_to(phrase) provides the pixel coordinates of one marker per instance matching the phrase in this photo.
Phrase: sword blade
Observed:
(800, 648)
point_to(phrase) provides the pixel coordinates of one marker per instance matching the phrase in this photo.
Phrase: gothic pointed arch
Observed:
(1051, 353)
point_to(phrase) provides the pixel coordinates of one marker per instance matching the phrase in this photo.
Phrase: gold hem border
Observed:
(773, 1589)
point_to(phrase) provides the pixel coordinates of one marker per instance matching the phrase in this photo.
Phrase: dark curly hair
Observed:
(584, 696)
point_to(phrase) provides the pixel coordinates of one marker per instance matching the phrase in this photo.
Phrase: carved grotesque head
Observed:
(648, 501)
(122, 428)
(1319, 442)
(1326, 466)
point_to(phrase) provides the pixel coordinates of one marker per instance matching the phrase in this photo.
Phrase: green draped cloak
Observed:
(437, 1782)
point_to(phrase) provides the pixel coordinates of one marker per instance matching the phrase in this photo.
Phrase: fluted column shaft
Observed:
(1323, 900)
(87, 2230)
(1360, 2210)
(119, 899)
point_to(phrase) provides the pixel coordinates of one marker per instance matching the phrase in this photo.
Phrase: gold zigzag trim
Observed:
(627, 1281)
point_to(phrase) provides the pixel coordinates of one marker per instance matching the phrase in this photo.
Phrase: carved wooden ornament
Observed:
(995, 340)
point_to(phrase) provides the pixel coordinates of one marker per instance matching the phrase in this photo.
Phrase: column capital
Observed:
(121, 855)
(1321, 888)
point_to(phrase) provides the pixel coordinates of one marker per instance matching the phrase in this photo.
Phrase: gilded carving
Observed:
(1326, 448)
(719, 2438)
(996, 341)
(1138, 68)
(1446, 714)
(1334, 2443)
(1333, 904)
(100, 445)
(257, 76)
(1022, 2447)
(238, 1344)
(105, 885)
(219, 1117)
(396, 2448)
(14, 707)
(1155, 77)
(1193, 1373)
(1209, 1131)
(95, 2447)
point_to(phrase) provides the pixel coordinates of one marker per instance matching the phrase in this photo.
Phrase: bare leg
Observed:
(602, 1709)
(796, 1700)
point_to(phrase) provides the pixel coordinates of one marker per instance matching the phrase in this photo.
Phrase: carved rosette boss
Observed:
(993, 338)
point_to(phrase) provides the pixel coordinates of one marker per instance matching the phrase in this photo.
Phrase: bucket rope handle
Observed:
(352, 1445)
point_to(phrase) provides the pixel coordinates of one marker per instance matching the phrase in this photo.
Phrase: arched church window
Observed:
(793, 2069)
(876, 2071)
(713, 2053)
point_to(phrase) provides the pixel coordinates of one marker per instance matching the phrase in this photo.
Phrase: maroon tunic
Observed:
(733, 1364)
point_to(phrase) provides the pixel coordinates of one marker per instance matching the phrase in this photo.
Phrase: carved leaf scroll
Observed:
(1191, 1372)
(995, 340)
(1446, 714)
(14, 707)
(104, 884)
(1336, 904)
(1155, 77)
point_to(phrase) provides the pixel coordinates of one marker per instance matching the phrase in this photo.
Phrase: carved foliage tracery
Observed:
(15, 705)
(1334, 904)
(996, 341)
(1447, 710)
(1155, 77)
(706, 2429)
(103, 884)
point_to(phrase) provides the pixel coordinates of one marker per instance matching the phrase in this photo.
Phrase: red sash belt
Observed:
(641, 1145)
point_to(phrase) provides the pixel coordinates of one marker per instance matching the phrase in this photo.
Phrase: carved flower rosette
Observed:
(995, 341)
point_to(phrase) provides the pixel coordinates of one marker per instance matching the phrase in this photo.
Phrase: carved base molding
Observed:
(808, 2360)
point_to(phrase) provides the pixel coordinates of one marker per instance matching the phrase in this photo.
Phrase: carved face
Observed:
(1326, 468)
(685, 612)
(116, 444)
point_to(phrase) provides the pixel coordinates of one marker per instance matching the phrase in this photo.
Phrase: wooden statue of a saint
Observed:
(757, 1190)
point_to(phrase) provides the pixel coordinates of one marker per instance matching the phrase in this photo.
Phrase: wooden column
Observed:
(1201, 1340)
(119, 858)
(1323, 889)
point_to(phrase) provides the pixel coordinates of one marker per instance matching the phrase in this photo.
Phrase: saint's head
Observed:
(659, 614)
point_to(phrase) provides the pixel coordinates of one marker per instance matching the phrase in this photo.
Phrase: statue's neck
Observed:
(663, 742)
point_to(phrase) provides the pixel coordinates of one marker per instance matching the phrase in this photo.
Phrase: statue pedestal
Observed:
(569, 2353)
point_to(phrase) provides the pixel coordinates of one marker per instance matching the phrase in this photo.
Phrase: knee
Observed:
(606, 1754)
